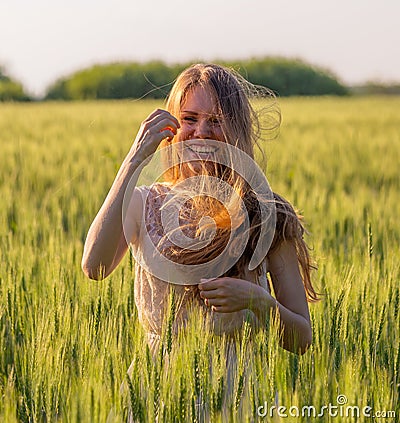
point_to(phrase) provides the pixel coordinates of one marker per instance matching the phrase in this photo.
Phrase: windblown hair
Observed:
(242, 127)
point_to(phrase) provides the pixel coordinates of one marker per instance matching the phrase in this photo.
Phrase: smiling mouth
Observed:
(202, 149)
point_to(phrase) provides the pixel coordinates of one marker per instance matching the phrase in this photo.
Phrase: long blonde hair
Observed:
(242, 127)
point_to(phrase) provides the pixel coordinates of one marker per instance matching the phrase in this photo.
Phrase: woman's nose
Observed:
(203, 129)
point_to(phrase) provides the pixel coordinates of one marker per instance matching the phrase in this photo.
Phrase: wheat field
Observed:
(66, 342)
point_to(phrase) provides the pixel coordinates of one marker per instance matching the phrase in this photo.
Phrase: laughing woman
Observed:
(209, 106)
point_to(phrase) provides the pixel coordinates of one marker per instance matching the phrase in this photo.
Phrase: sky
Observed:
(43, 40)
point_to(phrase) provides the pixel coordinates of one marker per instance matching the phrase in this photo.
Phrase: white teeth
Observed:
(201, 149)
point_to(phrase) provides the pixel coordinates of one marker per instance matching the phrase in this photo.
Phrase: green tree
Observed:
(11, 90)
(291, 77)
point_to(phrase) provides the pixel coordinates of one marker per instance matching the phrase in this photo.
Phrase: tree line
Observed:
(286, 77)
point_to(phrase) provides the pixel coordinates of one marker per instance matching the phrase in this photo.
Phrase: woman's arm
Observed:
(291, 302)
(108, 237)
(227, 295)
(106, 241)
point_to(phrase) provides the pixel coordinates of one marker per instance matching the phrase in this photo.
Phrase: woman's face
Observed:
(199, 116)
(200, 121)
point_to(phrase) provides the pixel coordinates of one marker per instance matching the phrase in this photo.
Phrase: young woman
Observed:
(207, 102)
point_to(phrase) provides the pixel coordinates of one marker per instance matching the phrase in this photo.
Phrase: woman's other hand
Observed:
(226, 295)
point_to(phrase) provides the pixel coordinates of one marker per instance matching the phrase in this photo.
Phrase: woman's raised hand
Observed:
(157, 126)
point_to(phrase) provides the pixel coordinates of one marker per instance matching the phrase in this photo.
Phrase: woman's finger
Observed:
(164, 124)
(165, 127)
(207, 284)
(167, 133)
(155, 113)
(209, 294)
(159, 115)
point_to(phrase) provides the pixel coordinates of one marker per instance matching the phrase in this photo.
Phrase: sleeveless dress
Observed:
(151, 293)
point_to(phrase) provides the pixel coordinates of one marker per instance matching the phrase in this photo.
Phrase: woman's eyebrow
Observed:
(189, 111)
(192, 112)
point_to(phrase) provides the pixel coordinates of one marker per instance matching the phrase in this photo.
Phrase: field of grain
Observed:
(67, 342)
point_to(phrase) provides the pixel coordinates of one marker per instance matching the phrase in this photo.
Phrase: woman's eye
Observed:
(189, 119)
(216, 121)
